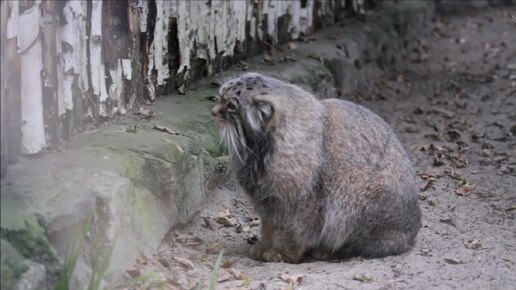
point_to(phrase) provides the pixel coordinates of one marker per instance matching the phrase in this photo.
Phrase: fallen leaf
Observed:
(142, 259)
(226, 221)
(453, 135)
(438, 160)
(211, 223)
(242, 65)
(465, 188)
(211, 98)
(182, 89)
(214, 248)
(292, 46)
(226, 264)
(163, 262)
(223, 276)
(425, 252)
(316, 56)
(363, 278)
(184, 262)
(243, 228)
(453, 261)
(473, 245)
(166, 130)
(291, 279)
(423, 195)
(193, 283)
(267, 58)
(447, 218)
(453, 174)
(145, 113)
(131, 129)
(134, 273)
(240, 275)
(510, 207)
(428, 184)
(445, 113)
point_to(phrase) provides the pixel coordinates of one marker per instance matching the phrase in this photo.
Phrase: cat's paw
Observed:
(256, 251)
(273, 256)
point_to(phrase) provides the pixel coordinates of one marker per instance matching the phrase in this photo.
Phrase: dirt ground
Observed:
(454, 108)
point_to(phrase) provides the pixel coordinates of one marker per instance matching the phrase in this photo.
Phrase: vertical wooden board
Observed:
(49, 74)
(30, 50)
(136, 89)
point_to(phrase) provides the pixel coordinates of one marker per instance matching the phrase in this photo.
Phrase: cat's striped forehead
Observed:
(244, 87)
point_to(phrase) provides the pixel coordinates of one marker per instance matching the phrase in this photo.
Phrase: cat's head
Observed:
(246, 113)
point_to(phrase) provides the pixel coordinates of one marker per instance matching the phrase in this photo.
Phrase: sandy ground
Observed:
(454, 108)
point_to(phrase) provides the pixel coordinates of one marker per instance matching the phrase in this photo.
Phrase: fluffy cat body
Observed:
(329, 177)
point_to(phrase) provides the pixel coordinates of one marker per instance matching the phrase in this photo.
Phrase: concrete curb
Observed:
(135, 182)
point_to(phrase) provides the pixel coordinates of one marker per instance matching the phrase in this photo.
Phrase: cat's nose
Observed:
(215, 111)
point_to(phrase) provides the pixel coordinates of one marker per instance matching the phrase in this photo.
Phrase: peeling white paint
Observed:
(116, 88)
(160, 41)
(74, 56)
(13, 21)
(126, 69)
(97, 73)
(203, 32)
(29, 46)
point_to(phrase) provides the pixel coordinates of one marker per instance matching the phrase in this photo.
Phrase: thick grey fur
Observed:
(328, 177)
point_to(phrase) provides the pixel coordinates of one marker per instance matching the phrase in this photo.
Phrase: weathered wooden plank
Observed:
(49, 73)
(30, 50)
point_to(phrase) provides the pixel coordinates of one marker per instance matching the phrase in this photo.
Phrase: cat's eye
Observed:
(232, 106)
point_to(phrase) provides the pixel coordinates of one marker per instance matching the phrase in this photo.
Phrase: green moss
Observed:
(12, 265)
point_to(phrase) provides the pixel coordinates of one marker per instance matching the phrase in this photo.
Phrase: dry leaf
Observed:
(131, 129)
(510, 207)
(438, 160)
(423, 195)
(166, 130)
(182, 89)
(267, 58)
(224, 276)
(226, 221)
(240, 275)
(292, 46)
(214, 248)
(145, 113)
(133, 273)
(465, 188)
(211, 98)
(243, 229)
(447, 218)
(291, 279)
(142, 259)
(428, 184)
(473, 245)
(242, 65)
(363, 278)
(184, 262)
(163, 262)
(453, 261)
(453, 174)
(211, 223)
(226, 264)
(316, 56)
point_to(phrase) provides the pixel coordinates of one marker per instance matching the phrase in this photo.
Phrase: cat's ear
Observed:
(266, 107)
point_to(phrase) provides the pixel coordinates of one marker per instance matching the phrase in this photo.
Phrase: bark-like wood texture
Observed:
(68, 65)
